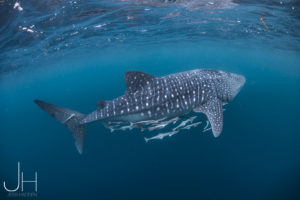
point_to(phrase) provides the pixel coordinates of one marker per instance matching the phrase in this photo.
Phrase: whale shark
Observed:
(149, 97)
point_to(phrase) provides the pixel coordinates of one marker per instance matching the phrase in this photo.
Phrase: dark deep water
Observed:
(257, 155)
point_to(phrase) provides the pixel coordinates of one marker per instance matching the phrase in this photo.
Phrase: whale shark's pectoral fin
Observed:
(136, 80)
(214, 112)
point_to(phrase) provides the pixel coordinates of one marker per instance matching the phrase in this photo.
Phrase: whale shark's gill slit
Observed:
(154, 128)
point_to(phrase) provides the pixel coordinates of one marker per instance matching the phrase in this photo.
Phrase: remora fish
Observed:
(150, 98)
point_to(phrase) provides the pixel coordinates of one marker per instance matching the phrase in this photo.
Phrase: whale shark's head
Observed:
(230, 86)
(227, 85)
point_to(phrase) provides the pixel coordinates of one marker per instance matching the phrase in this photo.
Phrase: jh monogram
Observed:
(22, 181)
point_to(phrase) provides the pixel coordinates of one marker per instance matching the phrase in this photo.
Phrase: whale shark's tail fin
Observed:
(69, 118)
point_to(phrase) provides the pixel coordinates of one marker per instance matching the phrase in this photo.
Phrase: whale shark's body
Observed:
(148, 98)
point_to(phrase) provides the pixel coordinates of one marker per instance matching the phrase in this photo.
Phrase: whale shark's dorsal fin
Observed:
(214, 112)
(101, 104)
(136, 80)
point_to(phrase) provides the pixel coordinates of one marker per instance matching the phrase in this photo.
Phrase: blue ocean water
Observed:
(74, 53)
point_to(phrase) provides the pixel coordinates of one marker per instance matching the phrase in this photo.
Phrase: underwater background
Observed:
(74, 53)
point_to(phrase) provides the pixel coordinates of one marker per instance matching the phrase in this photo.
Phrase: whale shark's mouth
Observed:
(161, 128)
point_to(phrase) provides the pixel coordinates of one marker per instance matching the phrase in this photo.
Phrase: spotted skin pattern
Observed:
(149, 97)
